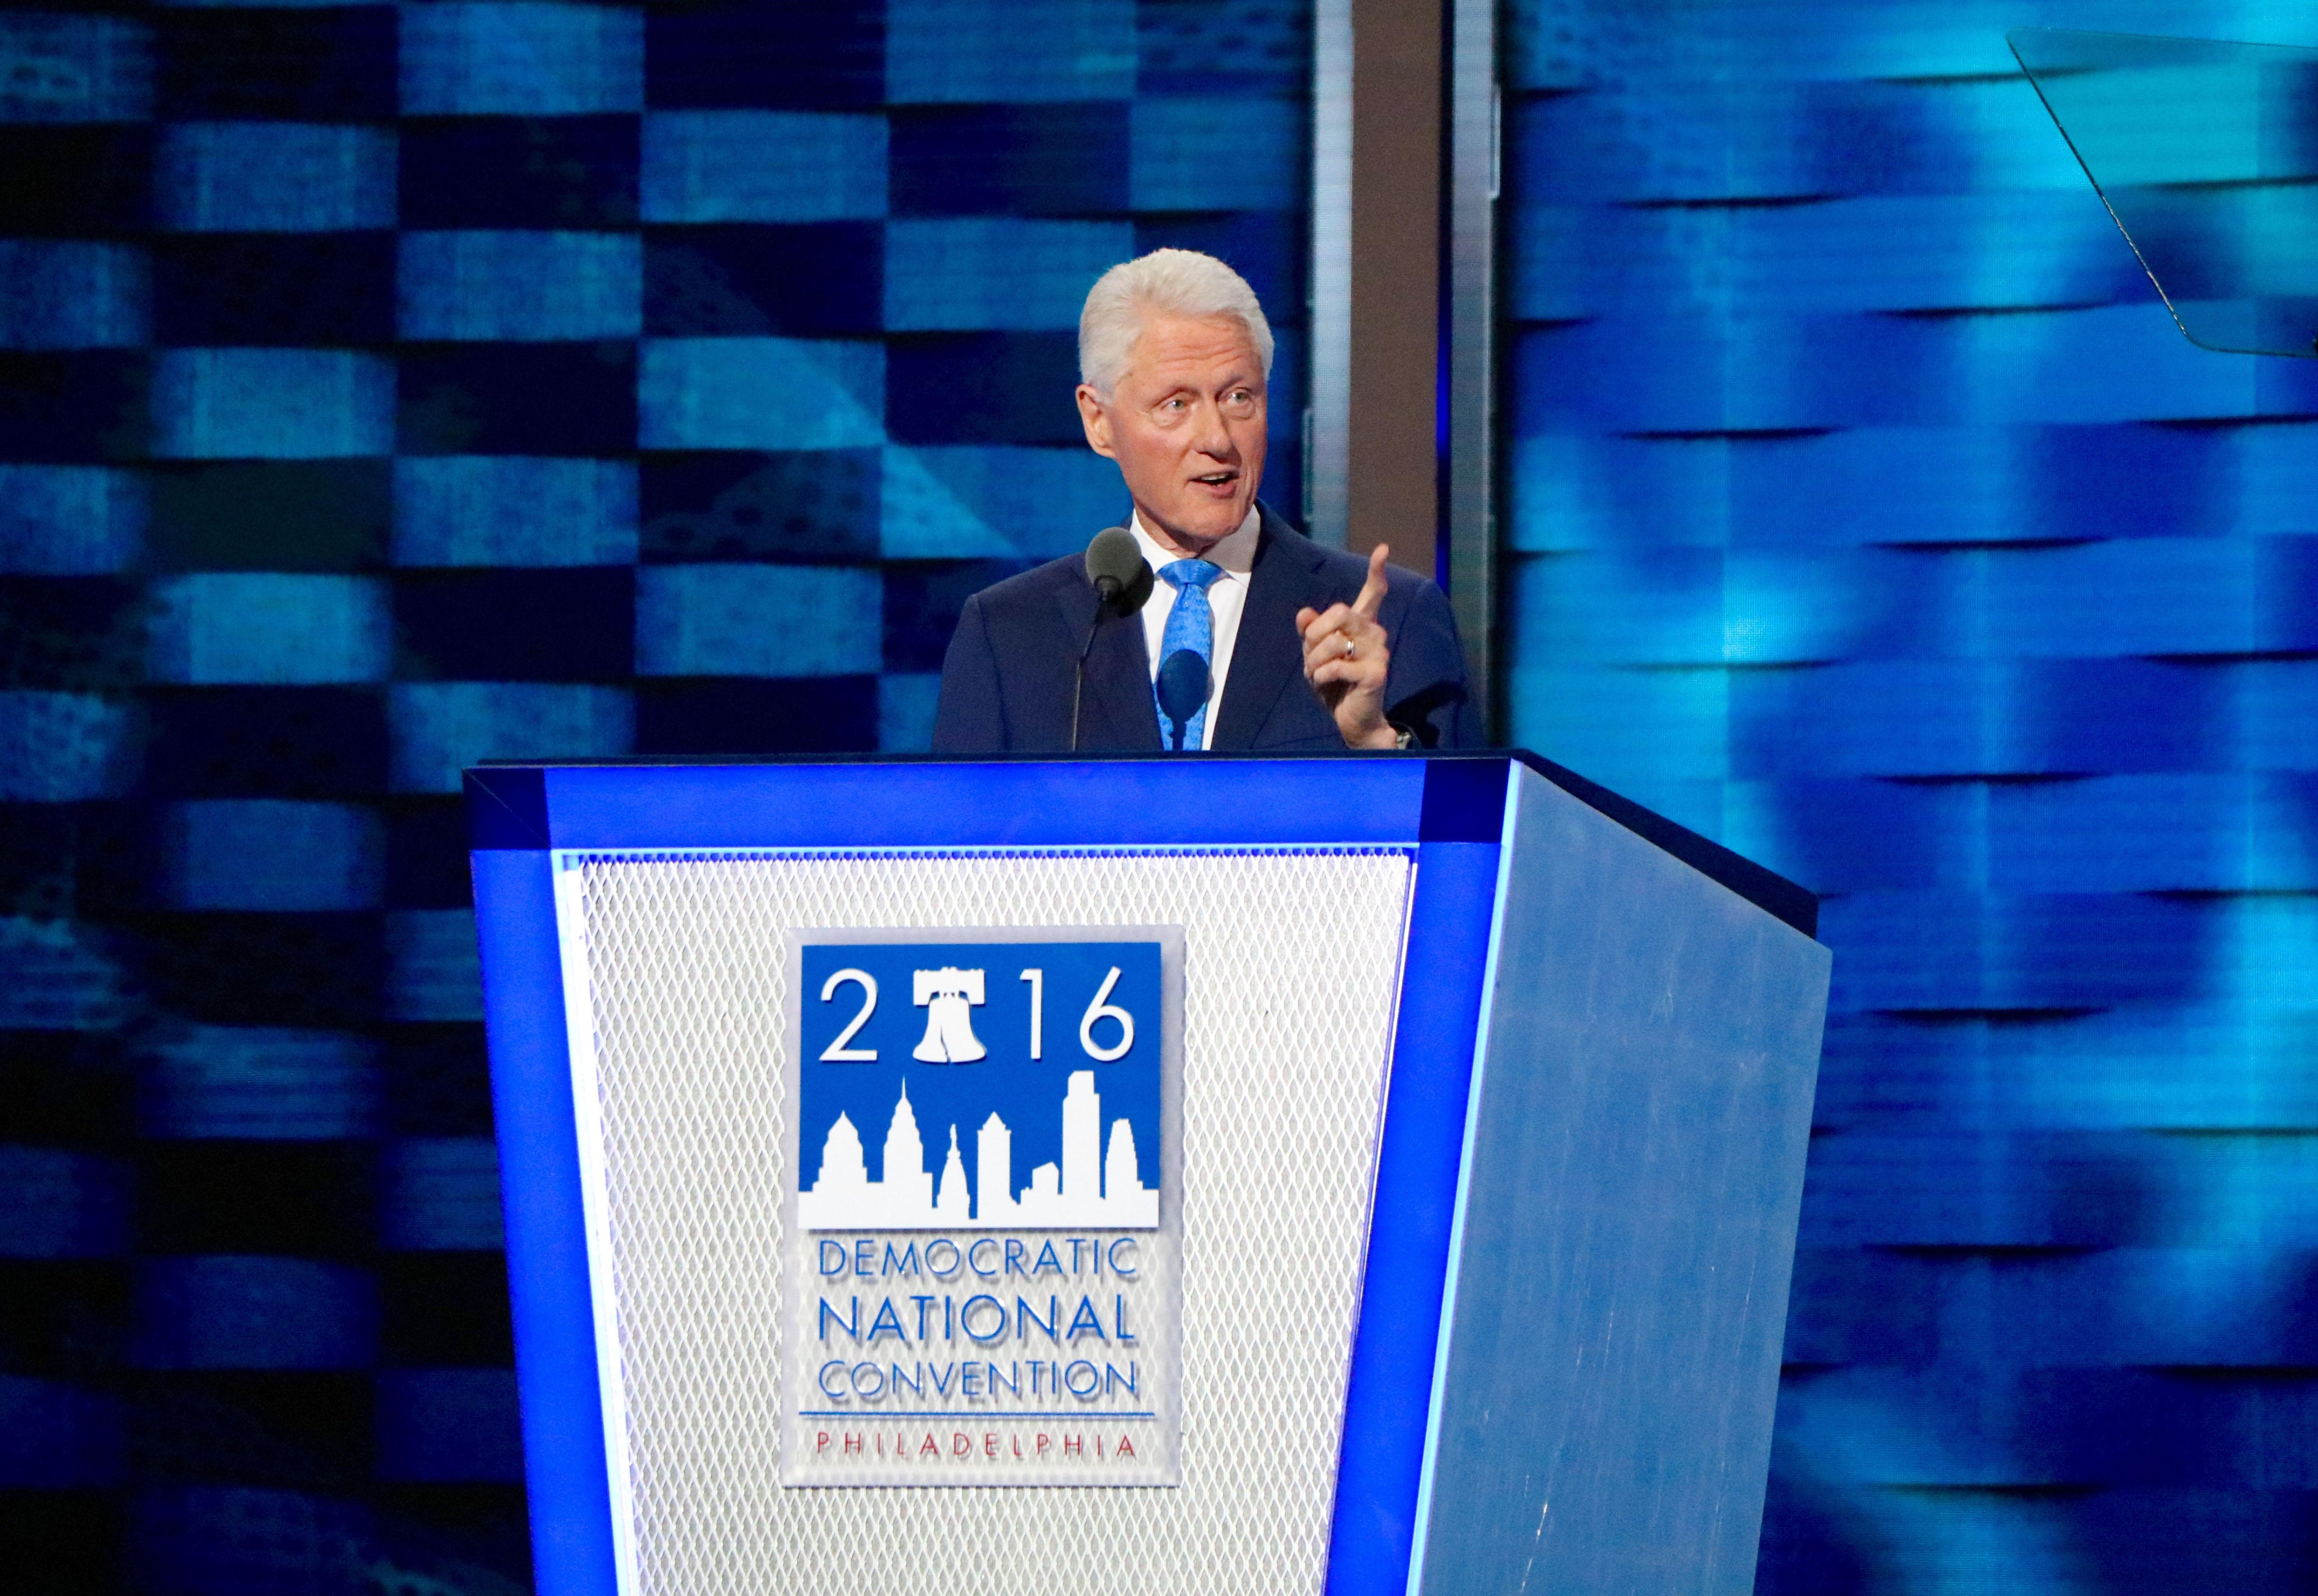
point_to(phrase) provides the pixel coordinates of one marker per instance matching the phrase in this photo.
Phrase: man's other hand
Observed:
(1346, 657)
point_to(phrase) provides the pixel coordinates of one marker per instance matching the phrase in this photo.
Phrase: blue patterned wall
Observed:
(383, 388)
(1867, 513)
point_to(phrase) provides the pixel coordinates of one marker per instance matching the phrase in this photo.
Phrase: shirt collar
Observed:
(1235, 553)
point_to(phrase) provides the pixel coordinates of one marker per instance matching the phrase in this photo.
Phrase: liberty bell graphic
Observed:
(944, 995)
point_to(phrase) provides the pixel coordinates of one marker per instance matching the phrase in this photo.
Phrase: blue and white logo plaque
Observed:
(984, 1242)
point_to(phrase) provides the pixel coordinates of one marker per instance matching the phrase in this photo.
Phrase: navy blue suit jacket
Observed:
(1006, 681)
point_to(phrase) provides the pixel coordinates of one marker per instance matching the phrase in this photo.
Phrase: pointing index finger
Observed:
(1372, 591)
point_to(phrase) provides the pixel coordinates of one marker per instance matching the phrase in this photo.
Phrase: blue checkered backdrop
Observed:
(1867, 511)
(386, 388)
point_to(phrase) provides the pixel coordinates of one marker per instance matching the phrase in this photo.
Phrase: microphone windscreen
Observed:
(1115, 565)
(1182, 686)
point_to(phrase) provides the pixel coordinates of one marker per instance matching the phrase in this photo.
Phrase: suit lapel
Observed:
(1118, 711)
(1268, 653)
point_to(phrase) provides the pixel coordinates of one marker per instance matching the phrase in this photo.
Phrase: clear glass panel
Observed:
(2206, 154)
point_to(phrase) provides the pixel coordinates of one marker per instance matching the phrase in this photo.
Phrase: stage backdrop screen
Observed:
(1865, 511)
(383, 388)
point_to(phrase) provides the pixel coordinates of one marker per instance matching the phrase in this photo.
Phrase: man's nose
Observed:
(1212, 436)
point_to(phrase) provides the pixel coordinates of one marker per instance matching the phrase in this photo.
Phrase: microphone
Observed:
(1120, 575)
(1122, 584)
(1183, 689)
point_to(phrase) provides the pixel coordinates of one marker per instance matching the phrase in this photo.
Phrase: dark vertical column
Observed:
(1474, 117)
(1327, 424)
(1392, 491)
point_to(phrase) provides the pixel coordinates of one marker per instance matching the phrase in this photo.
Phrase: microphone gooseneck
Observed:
(1183, 689)
(1122, 583)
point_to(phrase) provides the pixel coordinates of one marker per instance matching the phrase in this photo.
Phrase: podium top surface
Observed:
(1150, 801)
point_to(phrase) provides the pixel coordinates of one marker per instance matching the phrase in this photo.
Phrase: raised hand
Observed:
(1346, 658)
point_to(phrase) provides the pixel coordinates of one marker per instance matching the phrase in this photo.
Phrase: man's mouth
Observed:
(1217, 480)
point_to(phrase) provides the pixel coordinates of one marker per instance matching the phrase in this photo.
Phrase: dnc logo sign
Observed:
(980, 1085)
(983, 1284)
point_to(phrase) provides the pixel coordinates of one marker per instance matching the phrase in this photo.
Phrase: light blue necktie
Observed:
(1191, 625)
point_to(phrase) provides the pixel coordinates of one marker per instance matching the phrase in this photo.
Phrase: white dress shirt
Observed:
(1227, 598)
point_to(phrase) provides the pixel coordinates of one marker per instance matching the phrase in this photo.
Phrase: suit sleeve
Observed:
(1426, 690)
(969, 718)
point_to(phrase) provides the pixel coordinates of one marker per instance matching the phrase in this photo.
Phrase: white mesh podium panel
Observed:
(1291, 963)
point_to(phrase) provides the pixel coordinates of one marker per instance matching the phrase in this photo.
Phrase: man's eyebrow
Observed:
(1195, 389)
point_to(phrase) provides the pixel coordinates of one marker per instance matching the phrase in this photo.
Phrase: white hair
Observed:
(1172, 282)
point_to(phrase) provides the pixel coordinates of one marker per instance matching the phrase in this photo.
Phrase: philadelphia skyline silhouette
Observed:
(1089, 1187)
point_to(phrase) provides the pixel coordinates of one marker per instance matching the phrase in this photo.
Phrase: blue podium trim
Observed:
(1460, 1180)
(507, 808)
(1390, 1398)
(1128, 804)
(1014, 804)
(564, 1469)
(1129, 800)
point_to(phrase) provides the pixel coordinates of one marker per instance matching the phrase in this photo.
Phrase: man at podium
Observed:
(1209, 623)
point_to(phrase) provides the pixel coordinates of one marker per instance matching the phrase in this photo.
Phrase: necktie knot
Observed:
(1191, 574)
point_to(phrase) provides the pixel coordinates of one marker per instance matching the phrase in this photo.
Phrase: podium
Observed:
(1356, 1174)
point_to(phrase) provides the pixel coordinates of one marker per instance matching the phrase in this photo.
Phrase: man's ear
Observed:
(1097, 422)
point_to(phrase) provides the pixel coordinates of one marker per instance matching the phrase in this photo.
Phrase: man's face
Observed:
(1186, 425)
